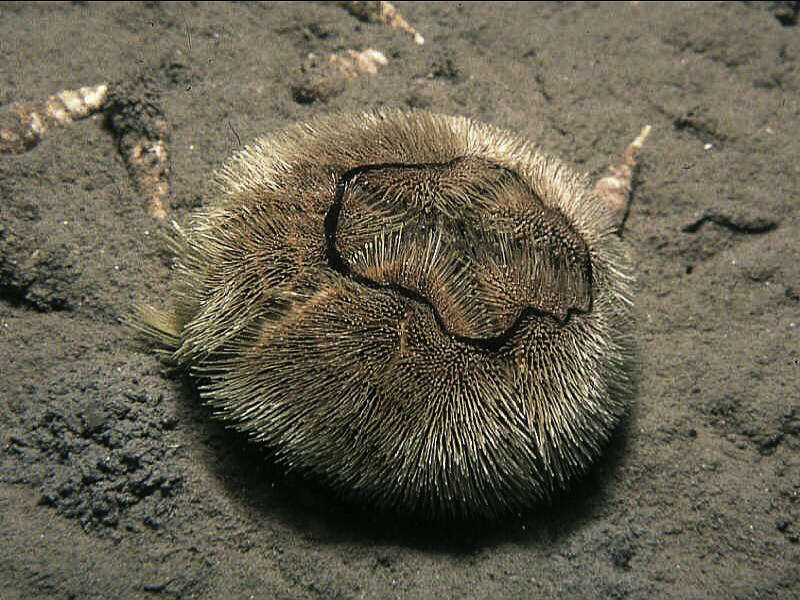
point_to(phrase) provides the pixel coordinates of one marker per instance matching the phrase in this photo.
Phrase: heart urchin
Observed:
(423, 311)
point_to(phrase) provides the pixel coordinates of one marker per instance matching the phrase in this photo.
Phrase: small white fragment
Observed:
(382, 12)
(37, 125)
(614, 189)
(71, 99)
(94, 96)
(55, 110)
(368, 60)
(159, 150)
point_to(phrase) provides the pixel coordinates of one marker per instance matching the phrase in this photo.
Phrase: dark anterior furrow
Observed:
(466, 237)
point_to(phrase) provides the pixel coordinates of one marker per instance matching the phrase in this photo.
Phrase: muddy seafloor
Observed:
(116, 482)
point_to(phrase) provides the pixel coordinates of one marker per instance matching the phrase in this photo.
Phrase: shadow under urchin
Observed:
(422, 312)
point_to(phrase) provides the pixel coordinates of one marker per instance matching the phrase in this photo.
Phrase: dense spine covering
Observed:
(424, 311)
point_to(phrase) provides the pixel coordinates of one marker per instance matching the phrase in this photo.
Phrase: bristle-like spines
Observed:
(157, 328)
(498, 251)
(457, 344)
(437, 419)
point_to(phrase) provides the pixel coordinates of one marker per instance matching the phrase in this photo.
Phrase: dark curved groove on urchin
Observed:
(340, 265)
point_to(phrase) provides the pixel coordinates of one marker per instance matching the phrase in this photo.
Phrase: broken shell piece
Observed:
(142, 131)
(615, 188)
(324, 76)
(368, 60)
(24, 125)
(382, 12)
(148, 165)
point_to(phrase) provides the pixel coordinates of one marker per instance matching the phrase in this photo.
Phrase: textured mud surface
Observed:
(115, 481)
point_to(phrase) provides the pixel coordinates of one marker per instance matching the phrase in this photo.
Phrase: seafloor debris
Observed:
(23, 125)
(134, 115)
(615, 188)
(382, 12)
(140, 126)
(323, 76)
(743, 221)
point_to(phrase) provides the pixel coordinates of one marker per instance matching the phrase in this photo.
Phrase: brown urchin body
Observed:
(424, 311)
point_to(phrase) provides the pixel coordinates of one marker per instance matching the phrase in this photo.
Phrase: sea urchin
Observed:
(423, 311)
